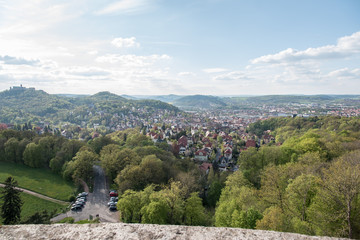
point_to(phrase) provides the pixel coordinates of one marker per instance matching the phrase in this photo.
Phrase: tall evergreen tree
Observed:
(11, 207)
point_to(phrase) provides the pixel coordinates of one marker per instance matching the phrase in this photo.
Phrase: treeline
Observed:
(310, 184)
(104, 108)
(43, 151)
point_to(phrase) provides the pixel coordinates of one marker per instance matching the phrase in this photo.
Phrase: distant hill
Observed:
(20, 105)
(294, 99)
(199, 101)
(24, 103)
(164, 98)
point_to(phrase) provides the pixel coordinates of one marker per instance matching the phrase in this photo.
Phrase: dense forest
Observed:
(306, 181)
(104, 108)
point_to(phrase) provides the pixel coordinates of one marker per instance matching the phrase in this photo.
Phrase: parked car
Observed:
(114, 199)
(76, 208)
(112, 208)
(113, 193)
(83, 194)
(81, 198)
(111, 203)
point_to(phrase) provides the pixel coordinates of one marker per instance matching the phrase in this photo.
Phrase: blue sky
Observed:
(151, 47)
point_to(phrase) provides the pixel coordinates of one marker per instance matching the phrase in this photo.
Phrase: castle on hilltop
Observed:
(20, 88)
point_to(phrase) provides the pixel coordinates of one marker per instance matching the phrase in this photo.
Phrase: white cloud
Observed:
(236, 76)
(9, 60)
(93, 52)
(87, 71)
(346, 73)
(132, 60)
(186, 74)
(23, 17)
(123, 6)
(346, 46)
(214, 70)
(125, 42)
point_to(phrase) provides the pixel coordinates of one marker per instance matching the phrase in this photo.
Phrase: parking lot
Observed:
(96, 203)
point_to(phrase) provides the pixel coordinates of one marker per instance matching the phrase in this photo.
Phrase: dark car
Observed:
(113, 207)
(76, 207)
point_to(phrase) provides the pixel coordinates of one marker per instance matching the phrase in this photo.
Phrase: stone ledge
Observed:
(139, 231)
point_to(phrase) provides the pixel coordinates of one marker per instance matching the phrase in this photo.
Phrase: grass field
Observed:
(38, 180)
(34, 204)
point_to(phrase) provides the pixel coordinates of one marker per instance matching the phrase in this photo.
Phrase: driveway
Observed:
(96, 202)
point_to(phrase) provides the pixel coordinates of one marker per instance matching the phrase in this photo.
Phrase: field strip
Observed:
(38, 195)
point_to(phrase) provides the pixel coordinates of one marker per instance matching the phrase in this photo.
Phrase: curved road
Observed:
(96, 202)
(38, 195)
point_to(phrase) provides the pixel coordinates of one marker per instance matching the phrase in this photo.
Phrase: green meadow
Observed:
(39, 180)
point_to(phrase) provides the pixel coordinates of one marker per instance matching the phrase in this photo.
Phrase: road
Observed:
(38, 195)
(96, 202)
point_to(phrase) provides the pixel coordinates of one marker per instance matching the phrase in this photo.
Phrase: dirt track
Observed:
(38, 195)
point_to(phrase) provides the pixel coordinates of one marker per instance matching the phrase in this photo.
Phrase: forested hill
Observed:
(20, 105)
(196, 102)
(199, 101)
(294, 99)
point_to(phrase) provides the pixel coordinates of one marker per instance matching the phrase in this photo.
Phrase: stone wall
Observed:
(138, 231)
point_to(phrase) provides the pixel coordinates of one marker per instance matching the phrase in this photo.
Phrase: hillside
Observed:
(19, 105)
(199, 101)
(139, 231)
(292, 99)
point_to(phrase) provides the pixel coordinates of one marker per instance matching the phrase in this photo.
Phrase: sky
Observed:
(185, 47)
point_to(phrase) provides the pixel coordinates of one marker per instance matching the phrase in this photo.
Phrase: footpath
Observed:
(38, 195)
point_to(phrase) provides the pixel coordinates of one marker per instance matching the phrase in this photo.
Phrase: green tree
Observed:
(335, 208)
(83, 165)
(11, 150)
(33, 155)
(114, 159)
(11, 207)
(129, 206)
(138, 140)
(156, 213)
(194, 210)
(300, 193)
(137, 177)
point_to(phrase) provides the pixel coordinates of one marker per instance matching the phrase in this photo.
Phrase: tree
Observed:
(129, 206)
(137, 177)
(336, 205)
(11, 208)
(114, 160)
(11, 147)
(83, 165)
(33, 155)
(194, 210)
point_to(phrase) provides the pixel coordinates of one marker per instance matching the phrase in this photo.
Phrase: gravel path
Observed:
(96, 202)
(38, 195)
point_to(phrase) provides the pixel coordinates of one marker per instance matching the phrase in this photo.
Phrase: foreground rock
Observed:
(138, 231)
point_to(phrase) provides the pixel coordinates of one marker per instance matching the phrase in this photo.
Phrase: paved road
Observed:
(96, 202)
(38, 195)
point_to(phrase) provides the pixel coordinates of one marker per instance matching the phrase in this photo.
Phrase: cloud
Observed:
(214, 70)
(125, 42)
(186, 74)
(346, 46)
(123, 6)
(132, 60)
(87, 71)
(233, 76)
(345, 73)
(9, 60)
